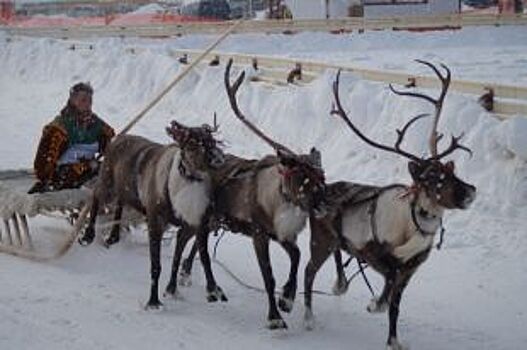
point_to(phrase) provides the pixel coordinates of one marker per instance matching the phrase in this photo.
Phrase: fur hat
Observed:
(86, 87)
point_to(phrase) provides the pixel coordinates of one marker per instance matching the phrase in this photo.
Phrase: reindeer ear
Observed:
(450, 166)
(315, 157)
(415, 170)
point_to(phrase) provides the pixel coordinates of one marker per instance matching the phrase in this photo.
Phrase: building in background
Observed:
(212, 9)
(512, 6)
(387, 8)
(370, 8)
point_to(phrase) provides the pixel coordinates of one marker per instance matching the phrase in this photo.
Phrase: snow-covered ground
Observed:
(469, 295)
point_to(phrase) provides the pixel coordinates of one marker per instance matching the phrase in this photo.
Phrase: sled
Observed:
(17, 207)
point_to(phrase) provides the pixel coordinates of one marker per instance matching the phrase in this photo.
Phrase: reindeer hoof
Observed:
(340, 287)
(376, 307)
(153, 305)
(285, 304)
(185, 279)
(215, 295)
(173, 294)
(277, 324)
(87, 237)
(309, 320)
(110, 240)
(393, 344)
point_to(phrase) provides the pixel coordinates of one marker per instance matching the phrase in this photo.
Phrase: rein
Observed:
(413, 206)
(240, 281)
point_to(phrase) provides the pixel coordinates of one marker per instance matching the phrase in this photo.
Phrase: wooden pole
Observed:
(178, 78)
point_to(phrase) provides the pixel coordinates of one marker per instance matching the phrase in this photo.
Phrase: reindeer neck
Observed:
(186, 171)
(426, 214)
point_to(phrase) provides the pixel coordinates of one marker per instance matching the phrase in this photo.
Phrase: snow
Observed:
(469, 295)
(149, 9)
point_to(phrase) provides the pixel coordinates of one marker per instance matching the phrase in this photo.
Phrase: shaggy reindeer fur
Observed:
(267, 199)
(169, 184)
(391, 228)
(261, 199)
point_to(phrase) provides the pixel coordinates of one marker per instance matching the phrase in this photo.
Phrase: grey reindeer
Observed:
(392, 227)
(266, 199)
(169, 184)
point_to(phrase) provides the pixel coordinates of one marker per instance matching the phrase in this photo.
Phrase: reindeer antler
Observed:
(400, 133)
(231, 92)
(454, 144)
(215, 126)
(438, 104)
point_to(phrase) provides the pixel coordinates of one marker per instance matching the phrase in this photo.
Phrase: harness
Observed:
(413, 206)
(184, 172)
(372, 209)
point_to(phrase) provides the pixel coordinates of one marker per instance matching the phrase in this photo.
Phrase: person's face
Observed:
(82, 100)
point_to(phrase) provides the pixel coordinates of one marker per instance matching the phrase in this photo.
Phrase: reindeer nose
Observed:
(469, 196)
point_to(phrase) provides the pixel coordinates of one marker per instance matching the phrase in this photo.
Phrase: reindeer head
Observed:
(199, 148)
(441, 185)
(435, 178)
(302, 179)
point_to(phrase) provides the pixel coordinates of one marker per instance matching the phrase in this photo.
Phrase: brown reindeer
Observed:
(267, 199)
(391, 228)
(170, 184)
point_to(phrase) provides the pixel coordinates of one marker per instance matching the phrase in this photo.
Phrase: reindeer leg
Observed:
(115, 236)
(286, 300)
(155, 233)
(214, 292)
(341, 285)
(380, 304)
(261, 247)
(320, 249)
(401, 281)
(89, 232)
(183, 235)
(186, 267)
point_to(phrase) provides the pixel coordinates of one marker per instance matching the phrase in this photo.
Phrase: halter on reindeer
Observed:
(391, 228)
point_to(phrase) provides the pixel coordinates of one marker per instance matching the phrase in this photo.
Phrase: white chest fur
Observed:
(289, 220)
(392, 223)
(189, 199)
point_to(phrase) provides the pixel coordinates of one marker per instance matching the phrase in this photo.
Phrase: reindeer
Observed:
(169, 184)
(391, 228)
(266, 199)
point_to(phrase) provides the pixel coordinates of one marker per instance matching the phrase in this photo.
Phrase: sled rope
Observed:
(240, 281)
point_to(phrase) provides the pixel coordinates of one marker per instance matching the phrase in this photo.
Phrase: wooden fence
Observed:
(272, 26)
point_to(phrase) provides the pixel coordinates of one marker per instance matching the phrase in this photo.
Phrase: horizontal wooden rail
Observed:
(273, 26)
(510, 100)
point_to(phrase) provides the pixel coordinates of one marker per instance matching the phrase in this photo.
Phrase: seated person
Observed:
(71, 144)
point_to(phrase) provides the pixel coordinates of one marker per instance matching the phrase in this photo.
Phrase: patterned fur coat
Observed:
(66, 130)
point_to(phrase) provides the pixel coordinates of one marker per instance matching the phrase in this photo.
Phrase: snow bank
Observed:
(91, 298)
